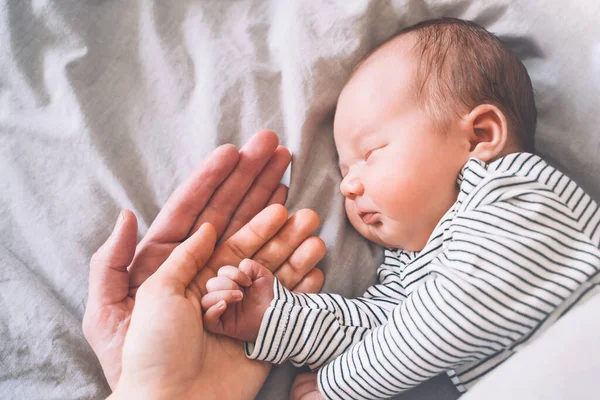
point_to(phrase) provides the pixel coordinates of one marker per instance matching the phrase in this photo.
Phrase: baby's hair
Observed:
(460, 60)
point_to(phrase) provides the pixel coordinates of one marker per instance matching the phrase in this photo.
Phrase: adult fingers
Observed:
(311, 283)
(254, 155)
(187, 259)
(109, 279)
(297, 229)
(279, 196)
(301, 261)
(249, 239)
(177, 217)
(261, 192)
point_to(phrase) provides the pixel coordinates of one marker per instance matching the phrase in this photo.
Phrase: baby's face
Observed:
(399, 170)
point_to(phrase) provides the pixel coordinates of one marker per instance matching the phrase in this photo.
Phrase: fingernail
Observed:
(237, 295)
(221, 304)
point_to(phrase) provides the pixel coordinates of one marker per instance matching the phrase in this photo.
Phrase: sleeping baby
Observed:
(486, 244)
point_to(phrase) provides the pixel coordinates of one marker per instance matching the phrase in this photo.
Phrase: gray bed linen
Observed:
(107, 105)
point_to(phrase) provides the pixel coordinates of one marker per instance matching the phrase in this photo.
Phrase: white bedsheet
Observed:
(109, 104)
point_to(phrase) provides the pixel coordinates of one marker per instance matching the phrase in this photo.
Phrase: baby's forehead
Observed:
(400, 48)
(389, 72)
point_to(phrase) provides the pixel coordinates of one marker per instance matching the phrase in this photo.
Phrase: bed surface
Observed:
(107, 105)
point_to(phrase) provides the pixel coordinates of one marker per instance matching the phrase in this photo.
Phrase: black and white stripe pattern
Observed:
(517, 250)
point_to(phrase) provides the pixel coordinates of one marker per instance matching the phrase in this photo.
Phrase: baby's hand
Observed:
(305, 387)
(237, 299)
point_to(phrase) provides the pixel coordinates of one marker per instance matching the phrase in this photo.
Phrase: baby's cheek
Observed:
(351, 213)
(395, 193)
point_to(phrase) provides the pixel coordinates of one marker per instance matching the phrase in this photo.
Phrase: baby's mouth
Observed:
(369, 217)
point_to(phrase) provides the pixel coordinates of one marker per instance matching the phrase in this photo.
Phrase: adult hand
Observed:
(167, 353)
(223, 369)
(227, 189)
(290, 253)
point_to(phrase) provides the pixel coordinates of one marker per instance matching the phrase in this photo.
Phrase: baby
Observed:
(486, 244)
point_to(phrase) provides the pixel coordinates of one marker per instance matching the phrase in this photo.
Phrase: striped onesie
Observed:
(515, 252)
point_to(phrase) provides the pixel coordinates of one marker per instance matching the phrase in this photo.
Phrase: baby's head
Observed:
(412, 114)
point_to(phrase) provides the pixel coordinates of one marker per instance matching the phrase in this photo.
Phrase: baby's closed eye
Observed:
(370, 152)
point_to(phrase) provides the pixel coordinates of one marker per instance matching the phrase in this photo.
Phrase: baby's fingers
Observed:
(253, 269)
(221, 283)
(214, 298)
(236, 275)
(212, 317)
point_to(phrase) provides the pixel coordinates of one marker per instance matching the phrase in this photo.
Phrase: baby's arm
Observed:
(313, 329)
(307, 329)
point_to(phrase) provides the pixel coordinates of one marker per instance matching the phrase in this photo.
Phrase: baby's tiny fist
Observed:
(237, 299)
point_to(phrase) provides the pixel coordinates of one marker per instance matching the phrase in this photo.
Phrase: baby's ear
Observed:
(487, 131)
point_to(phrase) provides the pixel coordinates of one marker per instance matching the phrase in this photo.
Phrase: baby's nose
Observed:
(351, 187)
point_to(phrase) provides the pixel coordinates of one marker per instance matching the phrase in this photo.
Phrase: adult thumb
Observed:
(109, 279)
(187, 259)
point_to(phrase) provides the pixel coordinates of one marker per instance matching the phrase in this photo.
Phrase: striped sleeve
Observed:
(506, 268)
(312, 329)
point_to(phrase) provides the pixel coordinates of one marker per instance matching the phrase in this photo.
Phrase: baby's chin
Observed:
(381, 240)
(374, 233)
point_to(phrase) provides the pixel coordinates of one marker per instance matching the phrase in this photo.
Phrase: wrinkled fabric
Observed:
(107, 105)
